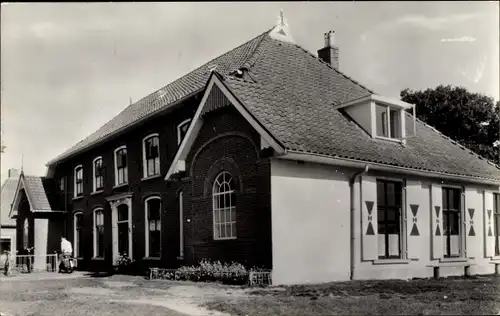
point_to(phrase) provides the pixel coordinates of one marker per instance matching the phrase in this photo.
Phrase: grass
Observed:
(452, 296)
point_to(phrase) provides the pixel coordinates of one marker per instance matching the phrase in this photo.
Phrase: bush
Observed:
(124, 263)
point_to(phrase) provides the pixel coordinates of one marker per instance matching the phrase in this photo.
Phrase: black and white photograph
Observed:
(250, 158)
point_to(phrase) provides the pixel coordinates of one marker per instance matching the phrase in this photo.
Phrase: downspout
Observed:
(353, 224)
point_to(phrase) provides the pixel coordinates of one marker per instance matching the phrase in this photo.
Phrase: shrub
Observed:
(124, 263)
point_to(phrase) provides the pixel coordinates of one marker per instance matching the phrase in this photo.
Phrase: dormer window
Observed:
(388, 121)
(121, 171)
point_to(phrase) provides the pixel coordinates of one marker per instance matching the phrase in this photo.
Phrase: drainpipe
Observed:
(353, 210)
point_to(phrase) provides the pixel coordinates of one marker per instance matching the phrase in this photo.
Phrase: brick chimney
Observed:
(330, 53)
(13, 173)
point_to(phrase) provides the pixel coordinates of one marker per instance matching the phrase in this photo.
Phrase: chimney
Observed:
(330, 53)
(13, 173)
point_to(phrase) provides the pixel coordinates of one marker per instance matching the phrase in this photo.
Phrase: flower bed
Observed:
(227, 273)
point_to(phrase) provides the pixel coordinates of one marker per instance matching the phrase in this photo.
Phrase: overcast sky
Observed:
(68, 68)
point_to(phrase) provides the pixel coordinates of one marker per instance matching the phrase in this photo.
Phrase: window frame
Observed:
(179, 127)
(94, 230)
(399, 204)
(145, 160)
(26, 233)
(180, 198)
(62, 184)
(147, 229)
(447, 212)
(76, 239)
(496, 223)
(386, 122)
(94, 177)
(217, 210)
(77, 194)
(125, 175)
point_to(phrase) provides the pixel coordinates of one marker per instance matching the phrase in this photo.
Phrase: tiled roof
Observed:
(36, 193)
(294, 98)
(6, 199)
(293, 94)
(185, 86)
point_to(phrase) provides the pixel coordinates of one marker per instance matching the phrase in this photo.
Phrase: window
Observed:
(123, 230)
(98, 233)
(78, 181)
(26, 233)
(496, 222)
(224, 210)
(5, 245)
(151, 156)
(181, 224)
(389, 219)
(153, 227)
(78, 235)
(98, 172)
(182, 129)
(62, 185)
(390, 128)
(451, 222)
(121, 172)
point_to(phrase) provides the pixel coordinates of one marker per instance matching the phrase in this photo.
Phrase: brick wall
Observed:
(227, 138)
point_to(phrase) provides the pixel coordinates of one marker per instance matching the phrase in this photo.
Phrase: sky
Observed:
(68, 68)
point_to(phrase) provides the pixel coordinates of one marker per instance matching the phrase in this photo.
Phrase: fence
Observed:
(31, 263)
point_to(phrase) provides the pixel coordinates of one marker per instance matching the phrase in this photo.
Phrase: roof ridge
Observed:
(456, 142)
(252, 59)
(338, 71)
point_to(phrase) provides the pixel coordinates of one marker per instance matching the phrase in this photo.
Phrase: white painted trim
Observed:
(75, 195)
(77, 255)
(354, 163)
(94, 184)
(179, 139)
(116, 167)
(231, 208)
(197, 122)
(377, 98)
(144, 162)
(94, 242)
(121, 199)
(181, 224)
(146, 225)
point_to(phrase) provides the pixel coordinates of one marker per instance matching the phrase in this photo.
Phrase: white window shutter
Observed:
(489, 233)
(369, 226)
(416, 207)
(472, 216)
(437, 221)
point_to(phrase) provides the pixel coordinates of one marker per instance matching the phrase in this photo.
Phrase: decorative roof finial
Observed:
(280, 31)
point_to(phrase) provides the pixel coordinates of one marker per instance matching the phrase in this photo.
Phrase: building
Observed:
(270, 156)
(7, 224)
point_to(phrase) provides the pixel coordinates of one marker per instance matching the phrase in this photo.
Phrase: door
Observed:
(123, 230)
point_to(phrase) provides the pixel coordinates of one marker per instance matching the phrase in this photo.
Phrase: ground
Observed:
(81, 294)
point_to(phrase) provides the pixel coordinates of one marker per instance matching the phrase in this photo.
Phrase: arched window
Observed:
(78, 235)
(153, 226)
(182, 129)
(98, 174)
(224, 209)
(78, 181)
(26, 233)
(151, 155)
(98, 233)
(121, 170)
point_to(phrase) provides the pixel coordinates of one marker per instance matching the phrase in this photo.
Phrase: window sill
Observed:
(396, 140)
(226, 238)
(453, 260)
(97, 192)
(97, 258)
(495, 260)
(180, 258)
(391, 261)
(151, 177)
(151, 258)
(120, 185)
(76, 198)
